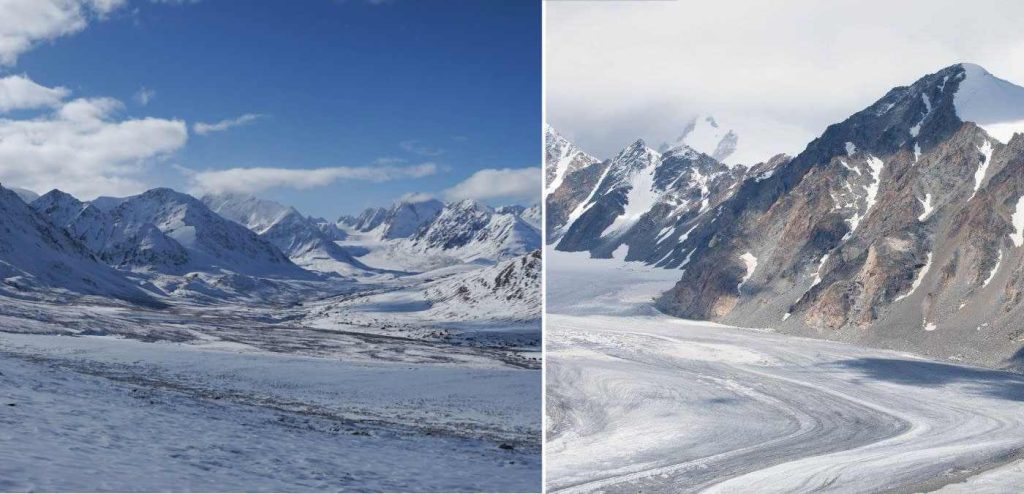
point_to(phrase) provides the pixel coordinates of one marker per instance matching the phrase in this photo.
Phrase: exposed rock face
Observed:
(644, 200)
(570, 175)
(900, 227)
(561, 158)
(509, 290)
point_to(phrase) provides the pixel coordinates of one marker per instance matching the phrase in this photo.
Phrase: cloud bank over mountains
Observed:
(84, 146)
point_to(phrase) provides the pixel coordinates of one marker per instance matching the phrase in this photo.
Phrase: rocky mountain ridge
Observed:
(899, 227)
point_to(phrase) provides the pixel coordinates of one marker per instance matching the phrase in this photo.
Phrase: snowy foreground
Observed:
(638, 401)
(192, 398)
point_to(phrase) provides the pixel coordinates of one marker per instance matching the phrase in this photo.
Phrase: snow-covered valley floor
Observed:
(97, 396)
(638, 401)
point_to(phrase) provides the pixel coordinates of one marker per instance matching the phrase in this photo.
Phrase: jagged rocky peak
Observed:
(893, 228)
(59, 206)
(641, 200)
(402, 220)
(636, 156)
(561, 158)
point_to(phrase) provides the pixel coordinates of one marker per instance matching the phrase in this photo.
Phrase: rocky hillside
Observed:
(900, 227)
(509, 290)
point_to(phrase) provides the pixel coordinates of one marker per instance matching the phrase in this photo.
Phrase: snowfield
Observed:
(395, 386)
(209, 401)
(638, 401)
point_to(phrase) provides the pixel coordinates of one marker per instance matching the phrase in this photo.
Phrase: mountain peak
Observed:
(995, 104)
(561, 158)
(705, 134)
(57, 195)
(972, 68)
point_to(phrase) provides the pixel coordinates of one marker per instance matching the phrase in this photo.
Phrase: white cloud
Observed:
(414, 197)
(25, 23)
(505, 183)
(143, 96)
(253, 180)
(417, 147)
(206, 128)
(18, 92)
(83, 149)
(620, 70)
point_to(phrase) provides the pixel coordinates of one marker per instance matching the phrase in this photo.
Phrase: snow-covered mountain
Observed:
(561, 158)
(402, 220)
(167, 232)
(306, 243)
(425, 235)
(897, 227)
(38, 259)
(368, 220)
(329, 229)
(994, 104)
(534, 216)
(472, 231)
(638, 201)
(509, 290)
(121, 244)
(706, 135)
(531, 215)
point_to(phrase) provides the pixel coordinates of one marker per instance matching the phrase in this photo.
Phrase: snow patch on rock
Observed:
(750, 262)
(926, 203)
(979, 175)
(992, 274)
(920, 278)
(1018, 223)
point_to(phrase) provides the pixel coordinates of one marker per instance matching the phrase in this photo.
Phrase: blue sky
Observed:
(339, 104)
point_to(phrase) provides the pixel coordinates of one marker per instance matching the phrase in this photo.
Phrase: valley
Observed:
(204, 334)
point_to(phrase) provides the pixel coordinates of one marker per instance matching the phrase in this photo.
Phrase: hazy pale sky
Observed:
(777, 72)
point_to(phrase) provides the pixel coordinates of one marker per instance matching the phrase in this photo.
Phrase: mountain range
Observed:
(899, 227)
(467, 230)
(164, 243)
